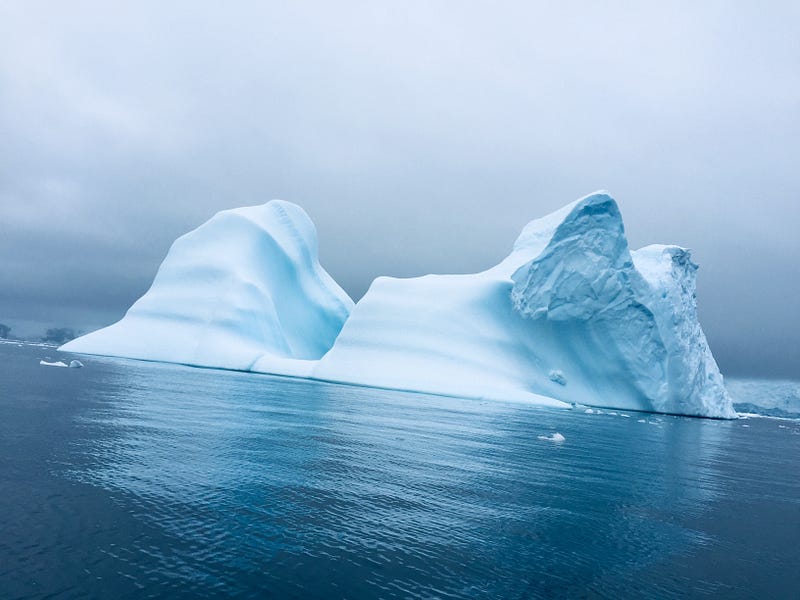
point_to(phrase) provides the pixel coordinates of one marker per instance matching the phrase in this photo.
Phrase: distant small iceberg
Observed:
(768, 398)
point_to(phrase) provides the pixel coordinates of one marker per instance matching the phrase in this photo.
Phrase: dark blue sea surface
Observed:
(128, 479)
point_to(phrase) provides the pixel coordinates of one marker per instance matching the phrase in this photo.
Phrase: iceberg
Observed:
(570, 316)
(244, 288)
(766, 397)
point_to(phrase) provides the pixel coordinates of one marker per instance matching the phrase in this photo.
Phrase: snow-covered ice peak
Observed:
(693, 375)
(584, 269)
(245, 286)
(636, 312)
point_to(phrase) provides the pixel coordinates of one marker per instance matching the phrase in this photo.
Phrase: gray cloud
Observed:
(420, 137)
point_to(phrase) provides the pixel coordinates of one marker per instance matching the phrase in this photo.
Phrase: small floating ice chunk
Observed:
(53, 364)
(613, 414)
(589, 411)
(557, 375)
(75, 364)
(641, 421)
(556, 437)
(624, 415)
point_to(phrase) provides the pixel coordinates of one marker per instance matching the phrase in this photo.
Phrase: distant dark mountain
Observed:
(59, 335)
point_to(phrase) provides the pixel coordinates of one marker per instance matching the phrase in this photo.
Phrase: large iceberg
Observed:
(244, 289)
(570, 316)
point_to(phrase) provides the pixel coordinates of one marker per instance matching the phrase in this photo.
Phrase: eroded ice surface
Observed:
(570, 316)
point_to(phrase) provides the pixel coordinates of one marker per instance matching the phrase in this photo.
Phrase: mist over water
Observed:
(126, 478)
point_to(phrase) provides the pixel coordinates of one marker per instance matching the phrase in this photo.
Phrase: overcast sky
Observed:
(419, 136)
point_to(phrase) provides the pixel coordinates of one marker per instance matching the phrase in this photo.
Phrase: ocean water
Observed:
(128, 479)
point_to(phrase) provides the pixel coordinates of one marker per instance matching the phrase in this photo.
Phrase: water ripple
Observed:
(145, 479)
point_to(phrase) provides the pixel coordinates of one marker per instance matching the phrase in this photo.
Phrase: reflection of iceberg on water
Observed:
(571, 314)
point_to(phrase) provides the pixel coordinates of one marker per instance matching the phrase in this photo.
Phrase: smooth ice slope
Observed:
(245, 288)
(571, 314)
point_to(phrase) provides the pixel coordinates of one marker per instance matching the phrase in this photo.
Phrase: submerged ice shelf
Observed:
(571, 315)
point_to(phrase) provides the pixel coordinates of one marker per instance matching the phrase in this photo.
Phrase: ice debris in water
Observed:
(556, 437)
(75, 364)
(53, 364)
